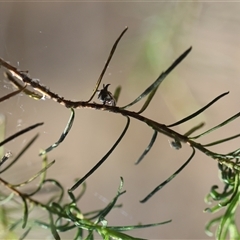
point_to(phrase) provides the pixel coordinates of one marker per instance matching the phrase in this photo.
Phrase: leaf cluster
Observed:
(228, 163)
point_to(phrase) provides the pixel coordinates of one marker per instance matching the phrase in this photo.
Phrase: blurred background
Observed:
(65, 45)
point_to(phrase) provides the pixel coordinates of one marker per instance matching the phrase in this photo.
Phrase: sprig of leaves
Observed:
(63, 216)
(228, 162)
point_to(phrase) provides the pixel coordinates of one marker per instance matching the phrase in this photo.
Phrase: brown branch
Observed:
(162, 128)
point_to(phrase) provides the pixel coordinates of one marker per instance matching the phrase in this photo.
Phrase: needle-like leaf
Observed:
(22, 88)
(106, 64)
(221, 141)
(218, 126)
(148, 148)
(169, 179)
(35, 176)
(199, 111)
(25, 213)
(159, 80)
(25, 234)
(63, 136)
(117, 93)
(21, 153)
(12, 94)
(79, 182)
(53, 228)
(149, 99)
(192, 130)
(20, 133)
(128, 228)
(103, 213)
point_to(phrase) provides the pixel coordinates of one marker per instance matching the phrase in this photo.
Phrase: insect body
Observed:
(106, 97)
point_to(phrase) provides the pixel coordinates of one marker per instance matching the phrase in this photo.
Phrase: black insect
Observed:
(106, 97)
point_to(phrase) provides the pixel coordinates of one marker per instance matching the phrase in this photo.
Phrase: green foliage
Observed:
(64, 216)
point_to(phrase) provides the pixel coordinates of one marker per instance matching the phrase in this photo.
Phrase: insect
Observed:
(106, 97)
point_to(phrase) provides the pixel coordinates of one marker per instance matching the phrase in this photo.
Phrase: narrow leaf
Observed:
(24, 89)
(6, 156)
(12, 94)
(84, 187)
(109, 207)
(79, 182)
(20, 133)
(64, 134)
(159, 79)
(218, 126)
(211, 224)
(227, 216)
(149, 147)
(56, 183)
(7, 199)
(25, 234)
(53, 228)
(198, 112)
(21, 153)
(25, 213)
(117, 93)
(149, 99)
(106, 64)
(43, 176)
(192, 130)
(2, 131)
(169, 179)
(139, 226)
(35, 176)
(221, 141)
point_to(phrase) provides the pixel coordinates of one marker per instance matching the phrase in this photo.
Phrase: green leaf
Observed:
(218, 126)
(139, 226)
(169, 179)
(53, 228)
(5, 200)
(148, 148)
(64, 134)
(192, 130)
(198, 112)
(106, 64)
(79, 182)
(20, 133)
(2, 132)
(21, 153)
(226, 219)
(159, 80)
(110, 234)
(12, 94)
(117, 93)
(210, 224)
(25, 234)
(109, 207)
(35, 176)
(21, 88)
(25, 213)
(149, 99)
(221, 141)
